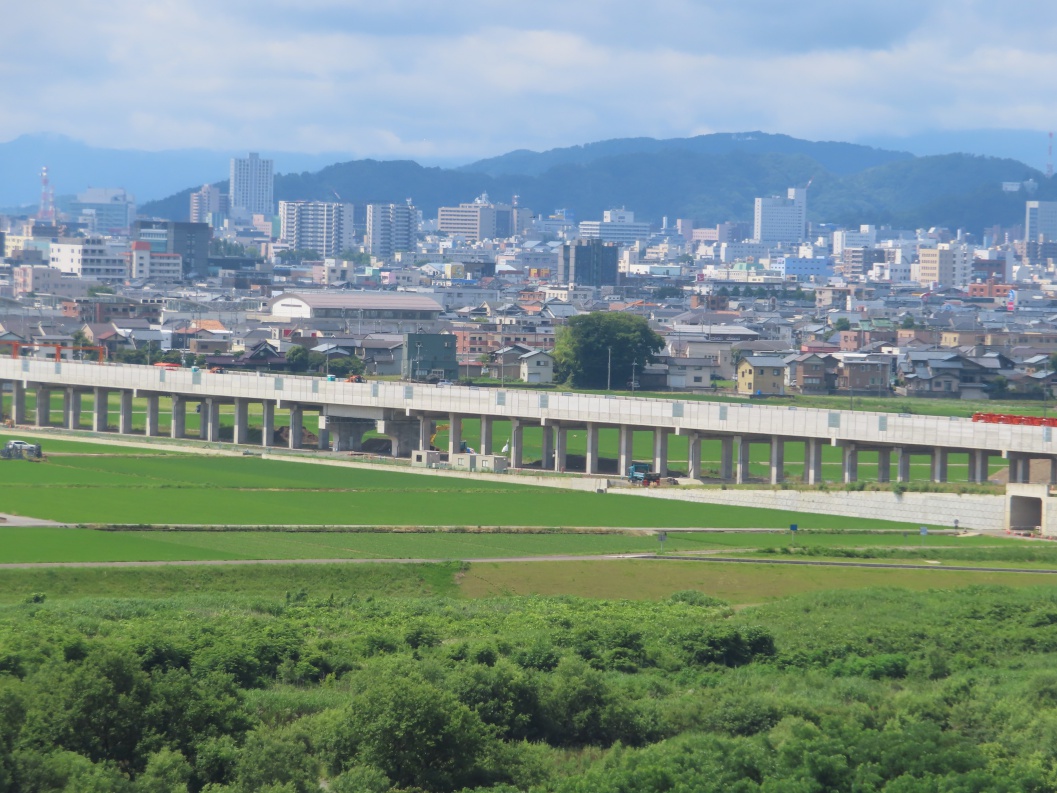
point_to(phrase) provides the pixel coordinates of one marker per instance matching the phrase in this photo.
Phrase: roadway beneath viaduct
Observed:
(408, 414)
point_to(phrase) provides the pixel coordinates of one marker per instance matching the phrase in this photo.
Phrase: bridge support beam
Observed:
(693, 455)
(240, 434)
(267, 424)
(851, 464)
(660, 450)
(297, 426)
(18, 402)
(903, 465)
(813, 461)
(322, 431)
(517, 444)
(1019, 468)
(425, 432)
(151, 426)
(454, 433)
(124, 423)
(777, 460)
(561, 447)
(485, 446)
(202, 409)
(884, 465)
(741, 472)
(591, 457)
(626, 449)
(178, 426)
(939, 465)
(43, 406)
(726, 458)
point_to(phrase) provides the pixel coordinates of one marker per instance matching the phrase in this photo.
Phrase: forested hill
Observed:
(955, 190)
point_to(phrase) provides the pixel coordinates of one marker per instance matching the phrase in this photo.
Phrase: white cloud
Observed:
(469, 78)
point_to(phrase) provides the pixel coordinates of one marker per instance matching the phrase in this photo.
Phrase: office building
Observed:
(104, 210)
(90, 257)
(617, 225)
(588, 263)
(948, 264)
(319, 226)
(390, 228)
(778, 220)
(189, 240)
(483, 220)
(252, 185)
(146, 264)
(209, 205)
(1040, 227)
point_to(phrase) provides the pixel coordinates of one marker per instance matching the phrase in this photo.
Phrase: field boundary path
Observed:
(22, 520)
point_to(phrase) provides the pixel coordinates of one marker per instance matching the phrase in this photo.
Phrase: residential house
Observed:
(537, 367)
(761, 375)
(813, 373)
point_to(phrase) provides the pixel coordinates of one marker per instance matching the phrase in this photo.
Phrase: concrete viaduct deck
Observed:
(407, 414)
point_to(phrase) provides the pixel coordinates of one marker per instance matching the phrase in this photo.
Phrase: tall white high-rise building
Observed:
(390, 228)
(320, 226)
(780, 220)
(209, 205)
(252, 185)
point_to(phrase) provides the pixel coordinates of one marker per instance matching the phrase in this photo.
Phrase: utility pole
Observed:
(634, 382)
(609, 370)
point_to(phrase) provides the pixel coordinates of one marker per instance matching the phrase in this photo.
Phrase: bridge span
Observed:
(407, 413)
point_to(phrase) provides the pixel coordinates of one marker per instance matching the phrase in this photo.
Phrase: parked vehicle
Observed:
(637, 472)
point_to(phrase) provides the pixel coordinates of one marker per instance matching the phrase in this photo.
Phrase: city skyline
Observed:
(468, 80)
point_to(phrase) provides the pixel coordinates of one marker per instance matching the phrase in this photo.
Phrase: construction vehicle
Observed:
(355, 378)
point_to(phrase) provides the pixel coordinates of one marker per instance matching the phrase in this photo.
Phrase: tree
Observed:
(297, 359)
(584, 345)
(298, 255)
(842, 324)
(908, 322)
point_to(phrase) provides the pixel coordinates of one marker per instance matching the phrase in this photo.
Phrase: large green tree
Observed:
(604, 347)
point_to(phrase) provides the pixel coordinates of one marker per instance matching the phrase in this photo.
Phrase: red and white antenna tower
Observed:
(1049, 159)
(46, 212)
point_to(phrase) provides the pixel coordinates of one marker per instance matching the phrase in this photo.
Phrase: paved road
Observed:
(511, 559)
(22, 520)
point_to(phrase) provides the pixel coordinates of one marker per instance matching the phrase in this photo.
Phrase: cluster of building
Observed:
(771, 306)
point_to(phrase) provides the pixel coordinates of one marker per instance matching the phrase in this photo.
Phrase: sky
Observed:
(446, 80)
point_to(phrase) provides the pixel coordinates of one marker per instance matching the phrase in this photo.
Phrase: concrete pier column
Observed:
(242, 421)
(517, 444)
(660, 450)
(150, 427)
(777, 460)
(547, 447)
(884, 465)
(939, 465)
(267, 423)
(178, 427)
(561, 446)
(1019, 468)
(1053, 470)
(978, 465)
(726, 458)
(322, 433)
(346, 435)
(297, 426)
(403, 434)
(851, 464)
(18, 402)
(903, 465)
(43, 406)
(693, 455)
(425, 432)
(72, 405)
(741, 472)
(124, 424)
(625, 449)
(67, 405)
(813, 461)
(485, 446)
(454, 433)
(591, 457)
(203, 420)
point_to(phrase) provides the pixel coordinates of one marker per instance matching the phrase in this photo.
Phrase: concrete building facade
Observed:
(252, 185)
(320, 226)
(778, 220)
(390, 228)
(588, 263)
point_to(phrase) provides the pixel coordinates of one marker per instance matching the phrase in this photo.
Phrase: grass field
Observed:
(123, 488)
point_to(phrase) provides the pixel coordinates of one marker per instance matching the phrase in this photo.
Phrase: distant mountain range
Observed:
(710, 179)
